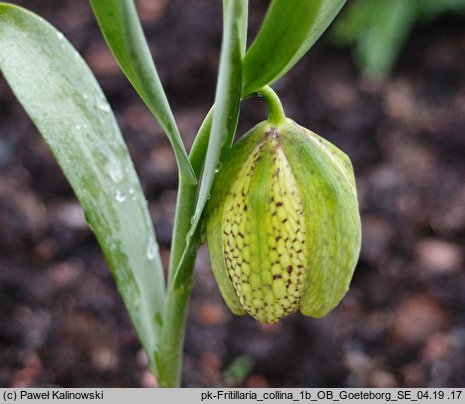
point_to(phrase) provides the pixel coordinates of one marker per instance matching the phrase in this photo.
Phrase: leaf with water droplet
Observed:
(58, 91)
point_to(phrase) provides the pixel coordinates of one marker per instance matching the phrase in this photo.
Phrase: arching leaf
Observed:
(63, 99)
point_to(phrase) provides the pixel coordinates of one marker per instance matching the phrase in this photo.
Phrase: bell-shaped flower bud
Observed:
(283, 226)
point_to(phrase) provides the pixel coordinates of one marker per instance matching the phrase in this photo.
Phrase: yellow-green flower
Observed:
(283, 226)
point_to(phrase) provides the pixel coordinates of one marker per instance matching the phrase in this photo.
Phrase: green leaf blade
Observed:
(289, 30)
(122, 30)
(225, 116)
(63, 99)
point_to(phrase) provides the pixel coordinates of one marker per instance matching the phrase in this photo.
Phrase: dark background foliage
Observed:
(402, 322)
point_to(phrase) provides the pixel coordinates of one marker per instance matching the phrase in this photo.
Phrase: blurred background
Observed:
(386, 84)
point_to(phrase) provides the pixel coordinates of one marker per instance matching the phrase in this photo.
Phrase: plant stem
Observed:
(170, 354)
(177, 299)
(275, 109)
(173, 336)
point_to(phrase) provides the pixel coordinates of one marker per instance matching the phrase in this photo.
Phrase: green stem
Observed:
(170, 353)
(172, 339)
(275, 109)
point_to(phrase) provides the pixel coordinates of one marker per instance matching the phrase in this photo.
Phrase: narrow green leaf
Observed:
(289, 30)
(200, 146)
(388, 26)
(121, 27)
(63, 99)
(225, 116)
(187, 195)
(243, 21)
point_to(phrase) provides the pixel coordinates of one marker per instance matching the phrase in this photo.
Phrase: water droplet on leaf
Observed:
(102, 104)
(151, 248)
(120, 196)
(114, 170)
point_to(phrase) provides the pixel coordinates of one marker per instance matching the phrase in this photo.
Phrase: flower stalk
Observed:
(275, 109)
